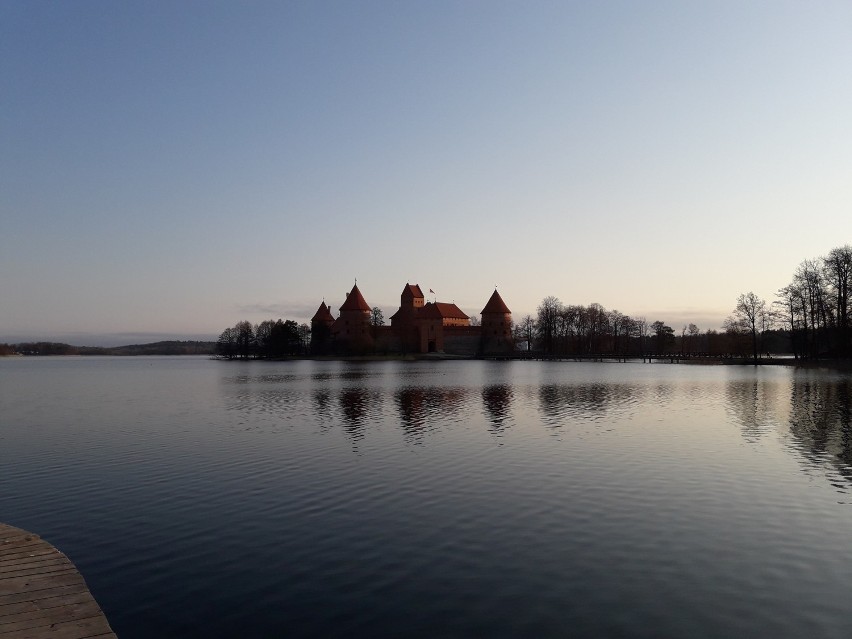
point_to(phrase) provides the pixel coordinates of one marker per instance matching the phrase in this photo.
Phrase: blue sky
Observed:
(167, 169)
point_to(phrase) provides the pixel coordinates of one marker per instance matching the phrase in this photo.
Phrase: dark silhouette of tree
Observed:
(619, 325)
(693, 333)
(525, 330)
(263, 337)
(377, 317)
(735, 340)
(546, 323)
(788, 312)
(809, 281)
(751, 312)
(642, 333)
(837, 268)
(226, 346)
(304, 331)
(246, 342)
(664, 337)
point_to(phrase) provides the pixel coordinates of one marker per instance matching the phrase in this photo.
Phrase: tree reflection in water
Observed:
(561, 403)
(817, 415)
(497, 400)
(322, 407)
(753, 403)
(355, 404)
(821, 418)
(421, 410)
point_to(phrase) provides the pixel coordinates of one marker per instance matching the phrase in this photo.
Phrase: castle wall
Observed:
(387, 340)
(462, 340)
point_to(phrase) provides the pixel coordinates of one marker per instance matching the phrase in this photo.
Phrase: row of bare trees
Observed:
(810, 318)
(270, 339)
(814, 307)
(560, 330)
(564, 330)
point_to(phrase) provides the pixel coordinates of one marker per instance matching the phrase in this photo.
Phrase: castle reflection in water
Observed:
(812, 411)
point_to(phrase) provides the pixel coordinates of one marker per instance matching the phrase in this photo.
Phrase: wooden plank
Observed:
(35, 552)
(59, 598)
(58, 590)
(21, 545)
(31, 563)
(49, 616)
(42, 594)
(29, 585)
(77, 629)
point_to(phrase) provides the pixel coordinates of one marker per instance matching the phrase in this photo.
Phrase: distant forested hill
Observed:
(156, 348)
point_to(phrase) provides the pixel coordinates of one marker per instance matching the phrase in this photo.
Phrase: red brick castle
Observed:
(416, 327)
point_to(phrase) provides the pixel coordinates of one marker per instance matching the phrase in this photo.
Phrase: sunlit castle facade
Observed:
(417, 326)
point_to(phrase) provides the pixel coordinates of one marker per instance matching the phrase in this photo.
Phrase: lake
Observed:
(205, 498)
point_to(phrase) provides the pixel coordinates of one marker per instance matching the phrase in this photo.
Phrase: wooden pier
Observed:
(42, 594)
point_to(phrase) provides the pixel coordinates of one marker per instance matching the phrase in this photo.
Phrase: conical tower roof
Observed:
(496, 305)
(355, 301)
(323, 314)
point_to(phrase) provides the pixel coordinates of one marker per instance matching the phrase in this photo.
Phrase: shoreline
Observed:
(833, 364)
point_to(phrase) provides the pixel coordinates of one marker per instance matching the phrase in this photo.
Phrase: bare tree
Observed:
(642, 333)
(304, 332)
(810, 285)
(693, 331)
(664, 336)
(524, 330)
(548, 315)
(619, 326)
(245, 342)
(751, 311)
(838, 272)
(226, 346)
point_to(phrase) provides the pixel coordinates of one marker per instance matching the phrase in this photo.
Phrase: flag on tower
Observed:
(431, 291)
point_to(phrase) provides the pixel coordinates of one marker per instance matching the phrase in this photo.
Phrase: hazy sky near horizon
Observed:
(170, 168)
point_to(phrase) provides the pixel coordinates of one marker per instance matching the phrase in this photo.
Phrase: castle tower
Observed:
(321, 324)
(323, 316)
(352, 329)
(497, 326)
(403, 321)
(411, 296)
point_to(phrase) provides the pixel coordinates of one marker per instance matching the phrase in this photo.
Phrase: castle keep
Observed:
(416, 327)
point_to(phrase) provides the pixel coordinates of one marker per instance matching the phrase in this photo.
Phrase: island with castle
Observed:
(417, 327)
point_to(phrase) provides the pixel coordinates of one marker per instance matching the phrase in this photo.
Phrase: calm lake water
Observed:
(438, 499)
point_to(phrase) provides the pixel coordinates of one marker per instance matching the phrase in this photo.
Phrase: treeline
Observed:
(814, 306)
(813, 310)
(40, 348)
(156, 348)
(560, 330)
(271, 339)
(810, 319)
